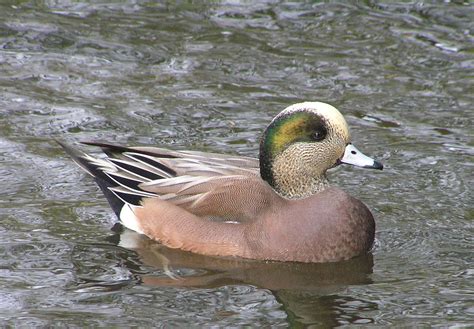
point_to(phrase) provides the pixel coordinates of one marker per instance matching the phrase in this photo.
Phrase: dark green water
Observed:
(210, 77)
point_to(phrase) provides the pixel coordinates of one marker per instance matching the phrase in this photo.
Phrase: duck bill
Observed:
(355, 157)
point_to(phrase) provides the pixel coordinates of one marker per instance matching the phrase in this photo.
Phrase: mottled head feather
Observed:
(309, 122)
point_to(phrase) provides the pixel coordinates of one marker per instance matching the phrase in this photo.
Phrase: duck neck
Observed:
(299, 186)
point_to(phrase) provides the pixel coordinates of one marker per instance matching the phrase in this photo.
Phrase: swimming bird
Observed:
(279, 207)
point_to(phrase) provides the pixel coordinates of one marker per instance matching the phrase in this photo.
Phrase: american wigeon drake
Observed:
(279, 207)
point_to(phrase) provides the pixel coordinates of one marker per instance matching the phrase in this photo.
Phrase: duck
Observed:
(279, 207)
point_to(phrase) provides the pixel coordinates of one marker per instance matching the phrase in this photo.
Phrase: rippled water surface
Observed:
(210, 77)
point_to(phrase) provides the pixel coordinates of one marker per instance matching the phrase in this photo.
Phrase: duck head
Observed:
(301, 143)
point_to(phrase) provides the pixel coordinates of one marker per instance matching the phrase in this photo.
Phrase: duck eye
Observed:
(318, 135)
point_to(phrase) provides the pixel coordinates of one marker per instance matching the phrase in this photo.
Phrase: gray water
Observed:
(210, 77)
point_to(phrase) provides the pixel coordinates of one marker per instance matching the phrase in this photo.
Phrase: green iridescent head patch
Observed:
(286, 129)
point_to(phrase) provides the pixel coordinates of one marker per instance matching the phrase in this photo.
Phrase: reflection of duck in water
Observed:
(279, 208)
(180, 268)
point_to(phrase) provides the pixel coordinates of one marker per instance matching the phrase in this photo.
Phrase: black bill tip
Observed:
(377, 165)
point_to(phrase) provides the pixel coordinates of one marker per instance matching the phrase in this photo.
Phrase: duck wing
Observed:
(235, 198)
(183, 162)
(207, 185)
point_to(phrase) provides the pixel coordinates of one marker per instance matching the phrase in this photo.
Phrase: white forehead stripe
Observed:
(325, 110)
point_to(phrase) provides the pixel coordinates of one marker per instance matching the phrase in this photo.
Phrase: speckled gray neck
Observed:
(302, 188)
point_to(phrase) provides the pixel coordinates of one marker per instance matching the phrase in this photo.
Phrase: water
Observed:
(210, 77)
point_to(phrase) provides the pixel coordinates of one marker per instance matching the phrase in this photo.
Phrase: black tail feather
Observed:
(114, 150)
(109, 149)
(132, 168)
(149, 160)
(115, 202)
(107, 182)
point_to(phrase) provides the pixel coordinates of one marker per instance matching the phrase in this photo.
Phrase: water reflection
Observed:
(326, 311)
(308, 293)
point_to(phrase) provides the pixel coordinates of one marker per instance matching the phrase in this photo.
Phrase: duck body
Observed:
(279, 207)
(316, 234)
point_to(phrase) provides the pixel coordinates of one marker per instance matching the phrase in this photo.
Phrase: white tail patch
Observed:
(129, 219)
